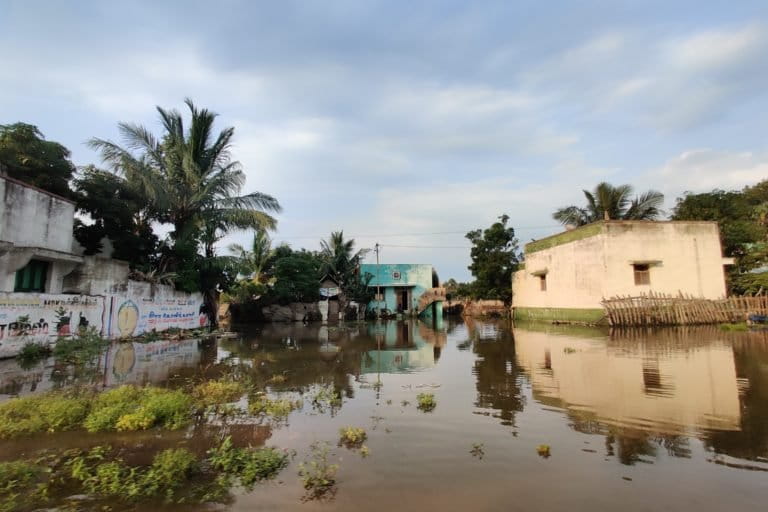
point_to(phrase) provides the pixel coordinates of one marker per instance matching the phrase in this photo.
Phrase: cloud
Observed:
(702, 170)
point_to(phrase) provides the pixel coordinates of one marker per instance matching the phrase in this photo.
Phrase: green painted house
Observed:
(404, 288)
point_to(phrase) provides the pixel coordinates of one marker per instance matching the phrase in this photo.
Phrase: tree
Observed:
(120, 214)
(495, 256)
(27, 156)
(192, 183)
(342, 263)
(296, 277)
(607, 202)
(254, 261)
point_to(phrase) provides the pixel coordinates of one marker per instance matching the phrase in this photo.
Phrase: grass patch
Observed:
(19, 485)
(52, 412)
(426, 402)
(740, 327)
(132, 408)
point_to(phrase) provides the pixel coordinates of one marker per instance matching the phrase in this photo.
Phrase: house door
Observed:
(402, 300)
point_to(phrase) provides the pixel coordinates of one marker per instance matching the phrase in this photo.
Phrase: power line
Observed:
(427, 246)
(463, 232)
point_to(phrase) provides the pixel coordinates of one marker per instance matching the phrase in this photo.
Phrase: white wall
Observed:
(30, 217)
(581, 273)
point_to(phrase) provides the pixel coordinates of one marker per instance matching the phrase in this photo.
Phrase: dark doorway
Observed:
(402, 300)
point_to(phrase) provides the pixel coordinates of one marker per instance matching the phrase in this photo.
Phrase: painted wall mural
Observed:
(133, 316)
(41, 318)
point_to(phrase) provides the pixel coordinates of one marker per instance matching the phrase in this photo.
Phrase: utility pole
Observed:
(378, 279)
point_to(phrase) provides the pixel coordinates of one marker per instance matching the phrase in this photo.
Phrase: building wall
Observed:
(580, 272)
(416, 276)
(30, 217)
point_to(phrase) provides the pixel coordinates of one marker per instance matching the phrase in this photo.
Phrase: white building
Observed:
(566, 276)
(36, 242)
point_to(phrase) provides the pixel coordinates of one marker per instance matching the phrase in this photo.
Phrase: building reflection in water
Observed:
(402, 347)
(646, 392)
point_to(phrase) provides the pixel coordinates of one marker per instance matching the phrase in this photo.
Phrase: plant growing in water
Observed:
(352, 437)
(426, 402)
(278, 408)
(317, 475)
(248, 464)
(478, 450)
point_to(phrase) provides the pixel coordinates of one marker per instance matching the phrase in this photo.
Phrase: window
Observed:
(32, 277)
(642, 274)
(543, 282)
(396, 275)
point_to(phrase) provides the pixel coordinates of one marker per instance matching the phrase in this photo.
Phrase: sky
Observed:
(410, 123)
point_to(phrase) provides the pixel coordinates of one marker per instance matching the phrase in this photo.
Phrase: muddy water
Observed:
(670, 420)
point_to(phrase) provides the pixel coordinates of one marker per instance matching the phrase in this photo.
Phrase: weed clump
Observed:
(165, 478)
(131, 408)
(326, 397)
(32, 353)
(80, 348)
(352, 437)
(278, 408)
(248, 465)
(213, 393)
(52, 412)
(426, 402)
(19, 485)
(317, 475)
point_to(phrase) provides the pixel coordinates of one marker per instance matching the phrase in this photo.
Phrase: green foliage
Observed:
(27, 156)
(19, 485)
(426, 402)
(131, 408)
(326, 397)
(165, 478)
(247, 464)
(495, 256)
(253, 261)
(296, 277)
(740, 327)
(119, 212)
(79, 348)
(33, 352)
(317, 475)
(352, 437)
(213, 393)
(52, 412)
(607, 202)
(191, 182)
(277, 408)
(749, 283)
(244, 291)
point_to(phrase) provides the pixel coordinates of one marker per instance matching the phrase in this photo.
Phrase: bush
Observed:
(33, 352)
(18, 482)
(317, 475)
(51, 412)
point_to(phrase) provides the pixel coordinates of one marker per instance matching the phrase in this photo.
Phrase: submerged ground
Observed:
(535, 418)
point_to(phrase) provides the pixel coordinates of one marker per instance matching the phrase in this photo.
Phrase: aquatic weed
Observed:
(277, 408)
(352, 437)
(543, 450)
(32, 353)
(317, 475)
(213, 393)
(426, 402)
(248, 465)
(19, 485)
(51, 412)
(131, 408)
(478, 450)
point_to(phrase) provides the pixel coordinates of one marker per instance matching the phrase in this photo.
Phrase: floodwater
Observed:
(674, 419)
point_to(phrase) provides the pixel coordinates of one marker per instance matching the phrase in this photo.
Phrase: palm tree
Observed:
(339, 256)
(254, 261)
(192, 182)
(607, 202)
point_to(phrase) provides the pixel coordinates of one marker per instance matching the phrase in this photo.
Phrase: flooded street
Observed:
(674, 419)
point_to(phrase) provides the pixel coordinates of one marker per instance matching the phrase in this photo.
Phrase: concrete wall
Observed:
(581, 271)
(418, 277)
(31, 217)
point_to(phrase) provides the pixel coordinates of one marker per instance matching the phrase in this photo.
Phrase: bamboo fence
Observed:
(660, 309)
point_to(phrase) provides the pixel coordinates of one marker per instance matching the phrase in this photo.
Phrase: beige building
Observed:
(566, 276)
